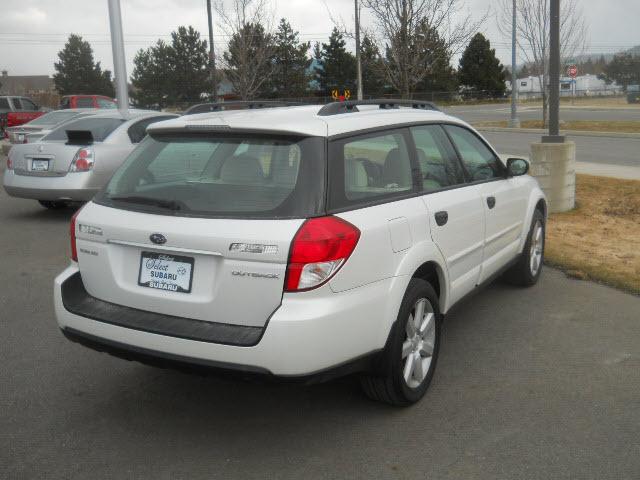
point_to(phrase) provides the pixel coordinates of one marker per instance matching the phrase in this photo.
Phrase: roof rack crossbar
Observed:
(237, 105)
(350, 106)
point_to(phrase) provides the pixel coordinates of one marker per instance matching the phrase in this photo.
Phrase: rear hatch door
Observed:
(219, 270)
(200, 225)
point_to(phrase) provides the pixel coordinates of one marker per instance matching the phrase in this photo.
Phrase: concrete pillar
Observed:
(554, 166)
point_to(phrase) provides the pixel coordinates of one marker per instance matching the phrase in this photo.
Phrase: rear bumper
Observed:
(73, 186)
(308, 335)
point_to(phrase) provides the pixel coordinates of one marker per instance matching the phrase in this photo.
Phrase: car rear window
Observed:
(84, 102)
(53, 118)
(227, 175)
(4, 104)
(100, 128)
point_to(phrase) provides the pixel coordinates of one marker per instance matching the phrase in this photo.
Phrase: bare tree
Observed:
(533, 36)
(407, 30)
(248, 61)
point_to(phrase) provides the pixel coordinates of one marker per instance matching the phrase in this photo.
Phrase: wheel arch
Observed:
(537, 201)
(433, 273)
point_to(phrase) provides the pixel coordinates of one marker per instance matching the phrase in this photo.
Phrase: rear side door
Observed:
(456, 216)
(504, 200)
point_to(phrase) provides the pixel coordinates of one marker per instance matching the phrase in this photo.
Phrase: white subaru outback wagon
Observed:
(302, 242)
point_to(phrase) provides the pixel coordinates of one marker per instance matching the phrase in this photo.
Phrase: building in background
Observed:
(581, 86)
(25, 85)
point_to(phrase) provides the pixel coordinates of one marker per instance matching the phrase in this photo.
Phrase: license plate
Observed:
(166, 272)
(39, 165)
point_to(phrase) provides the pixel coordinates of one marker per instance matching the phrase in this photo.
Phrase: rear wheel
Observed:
(54, 205)
(410, 358)
(527, 271)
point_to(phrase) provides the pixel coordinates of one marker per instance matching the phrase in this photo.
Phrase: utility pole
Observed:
(119, 64)
(358, 56)
(554, 76)
(515, 121)
(212, 55)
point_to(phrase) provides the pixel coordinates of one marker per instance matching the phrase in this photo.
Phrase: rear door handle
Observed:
(491, 202)
(441, 218)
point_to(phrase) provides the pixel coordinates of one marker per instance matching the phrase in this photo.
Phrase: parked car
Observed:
(76, 159)
(87, 101)
(44, 124)
(15, 111)
(299, 242)
(633, 94)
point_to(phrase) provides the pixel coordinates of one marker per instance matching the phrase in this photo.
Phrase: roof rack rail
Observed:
(237, 105)
(349, 106)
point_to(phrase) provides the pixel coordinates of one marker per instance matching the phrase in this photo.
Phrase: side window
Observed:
(372, 166)
(478, 160)
(138, 130)
(439, 166)
(28, 105)
(104, 103)
(65, 103)
(84, 102)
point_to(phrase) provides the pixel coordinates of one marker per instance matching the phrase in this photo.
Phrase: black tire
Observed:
(389, 384)
(54, 205)
(521, 273)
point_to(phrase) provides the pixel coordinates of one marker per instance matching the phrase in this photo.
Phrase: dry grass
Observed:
(600, 239)
(626, 126)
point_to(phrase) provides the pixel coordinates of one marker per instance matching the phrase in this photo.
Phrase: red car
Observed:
(87, 101)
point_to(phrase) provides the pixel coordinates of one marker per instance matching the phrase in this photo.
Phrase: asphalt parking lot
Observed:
(537, 383)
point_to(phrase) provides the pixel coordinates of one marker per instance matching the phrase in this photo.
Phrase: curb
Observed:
(575, 133)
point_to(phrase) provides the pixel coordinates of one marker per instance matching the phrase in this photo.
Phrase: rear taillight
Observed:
(72, 236)
(318, 250)
(83, 161)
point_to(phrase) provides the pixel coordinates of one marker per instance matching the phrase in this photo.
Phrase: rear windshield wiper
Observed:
(157, 202)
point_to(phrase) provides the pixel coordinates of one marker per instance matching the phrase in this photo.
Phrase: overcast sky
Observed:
(33, 31)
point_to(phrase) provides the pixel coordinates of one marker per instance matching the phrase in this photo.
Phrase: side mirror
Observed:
(517, 167)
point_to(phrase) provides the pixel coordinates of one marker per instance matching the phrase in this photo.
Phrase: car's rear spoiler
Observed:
(79, 137)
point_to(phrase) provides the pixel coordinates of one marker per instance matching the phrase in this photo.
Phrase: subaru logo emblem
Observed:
(158, 238)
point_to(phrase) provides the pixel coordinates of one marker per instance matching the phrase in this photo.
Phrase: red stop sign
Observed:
(572, 71)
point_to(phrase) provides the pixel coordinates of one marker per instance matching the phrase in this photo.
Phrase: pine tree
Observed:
(151, 77)
(624, 69)
(290, 78)
(189, 61)
(480, 70)
(373, 79)
(337, 69)
(76, 72)
(170, 74)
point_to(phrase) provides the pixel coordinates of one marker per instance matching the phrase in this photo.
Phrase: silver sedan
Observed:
(76, 159)
(41, 126)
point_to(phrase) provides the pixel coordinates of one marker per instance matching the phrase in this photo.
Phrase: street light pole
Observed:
(515, 121)
(358, 56)
(212, 55)
(554, 76)
(119, 64)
